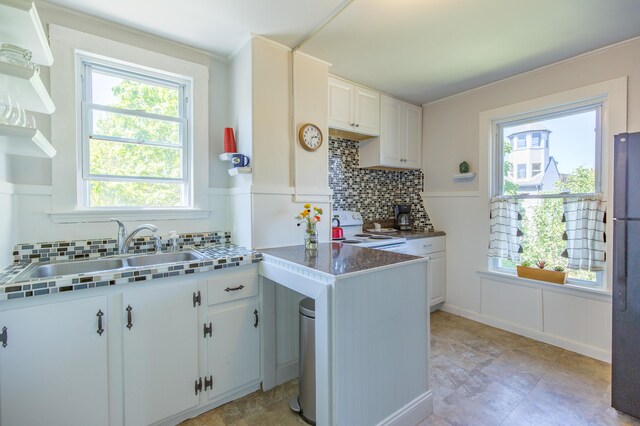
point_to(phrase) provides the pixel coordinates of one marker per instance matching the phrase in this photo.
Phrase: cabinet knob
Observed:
(357, 125)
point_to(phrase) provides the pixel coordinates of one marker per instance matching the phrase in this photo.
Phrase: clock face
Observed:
(310, 137)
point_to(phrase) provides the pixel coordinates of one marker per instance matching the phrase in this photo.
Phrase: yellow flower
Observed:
(304, 213)
(307, 206)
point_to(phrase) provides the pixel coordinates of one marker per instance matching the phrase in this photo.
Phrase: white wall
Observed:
(450, 135)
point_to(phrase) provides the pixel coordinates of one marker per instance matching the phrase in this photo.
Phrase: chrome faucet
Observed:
(122, 231)
(124, 238)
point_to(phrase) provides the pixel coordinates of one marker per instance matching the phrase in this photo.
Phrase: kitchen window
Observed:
(135, 143)
(568, 166)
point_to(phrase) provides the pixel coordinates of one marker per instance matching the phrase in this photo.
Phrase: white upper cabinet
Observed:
(399, 145)
(353, 108)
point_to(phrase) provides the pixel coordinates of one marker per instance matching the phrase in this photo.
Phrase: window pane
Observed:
(134, 194)
(565, 149)
(111, 90)
(126, 159)
(137, 128)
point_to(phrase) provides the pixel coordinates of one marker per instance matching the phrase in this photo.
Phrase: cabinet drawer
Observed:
(424, 246)
(233, 287)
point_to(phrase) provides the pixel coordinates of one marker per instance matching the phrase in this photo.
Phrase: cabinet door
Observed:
(366, 111)
(233, 350)
(160, 353)
(341, 100)
(53, 370)
(390, 132)
(437, 277)
(412, 143)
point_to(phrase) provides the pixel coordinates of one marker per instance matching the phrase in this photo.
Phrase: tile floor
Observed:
(481, 376)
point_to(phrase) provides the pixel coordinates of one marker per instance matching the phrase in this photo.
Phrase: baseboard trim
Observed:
(563, 342)
(287, 372)
(413, 413)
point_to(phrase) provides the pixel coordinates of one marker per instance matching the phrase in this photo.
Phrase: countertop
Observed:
(216, 256)
(339, 259)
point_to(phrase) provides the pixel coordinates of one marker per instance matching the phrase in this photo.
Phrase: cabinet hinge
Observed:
(3, 337)
(198, 385)
(208, 383)
(208, 330)
(197, 299)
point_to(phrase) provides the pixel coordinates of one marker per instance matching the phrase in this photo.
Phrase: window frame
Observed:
(86, 65)
(497, 160)
(535, 172)
(524, 165)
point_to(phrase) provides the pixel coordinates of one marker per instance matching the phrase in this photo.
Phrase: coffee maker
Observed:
(403, 217)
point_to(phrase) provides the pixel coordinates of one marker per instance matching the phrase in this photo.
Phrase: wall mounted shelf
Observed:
(235, 171)
(16, 140)
(239, 171)
(464, 176)
(25, 88)
(20, 25)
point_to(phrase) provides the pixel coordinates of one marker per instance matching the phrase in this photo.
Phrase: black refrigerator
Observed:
(625, 351)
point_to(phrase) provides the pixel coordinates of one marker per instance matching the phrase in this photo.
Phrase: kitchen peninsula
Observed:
(372, 330)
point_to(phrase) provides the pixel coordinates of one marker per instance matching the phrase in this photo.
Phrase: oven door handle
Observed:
(391, 246)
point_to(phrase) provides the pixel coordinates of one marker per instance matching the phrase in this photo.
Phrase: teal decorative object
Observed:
(464, 167)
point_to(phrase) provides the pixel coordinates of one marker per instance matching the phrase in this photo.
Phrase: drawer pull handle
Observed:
(228, 289)
(257, 318)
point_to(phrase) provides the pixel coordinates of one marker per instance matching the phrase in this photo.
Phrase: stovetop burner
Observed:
(352, 241)
(362, 235)
(381, 237)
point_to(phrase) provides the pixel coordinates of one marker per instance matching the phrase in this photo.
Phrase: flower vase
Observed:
(311, 237)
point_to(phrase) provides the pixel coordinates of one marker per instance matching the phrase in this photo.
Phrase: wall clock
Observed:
(310, 137)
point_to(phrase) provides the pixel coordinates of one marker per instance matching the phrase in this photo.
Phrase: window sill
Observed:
(142, 214)
(592, 293)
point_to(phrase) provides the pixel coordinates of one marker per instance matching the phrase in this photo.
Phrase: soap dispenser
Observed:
(173, 240)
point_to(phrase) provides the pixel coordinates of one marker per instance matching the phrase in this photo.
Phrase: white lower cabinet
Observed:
(233, 350)
(177, 346)
(53, 369)
(437, 276)
(434, 247)
(160, 342)
(232, 335)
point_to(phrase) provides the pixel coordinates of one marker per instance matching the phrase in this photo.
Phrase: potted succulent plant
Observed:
(556, 275)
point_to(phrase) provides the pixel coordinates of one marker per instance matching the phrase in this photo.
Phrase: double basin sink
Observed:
(110, 264)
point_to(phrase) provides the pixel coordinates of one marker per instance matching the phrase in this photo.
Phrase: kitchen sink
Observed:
(105, 265)
(80, 267)
(160, 258)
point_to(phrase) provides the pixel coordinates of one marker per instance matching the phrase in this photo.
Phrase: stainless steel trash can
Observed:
(307, 360)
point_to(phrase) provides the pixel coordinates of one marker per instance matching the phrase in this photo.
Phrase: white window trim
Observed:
(65, 92)
(613, 95)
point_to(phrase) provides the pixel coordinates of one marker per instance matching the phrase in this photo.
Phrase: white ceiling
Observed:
(419, 50)
(218, 26)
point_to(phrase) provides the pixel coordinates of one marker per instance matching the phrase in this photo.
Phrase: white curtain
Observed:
(585, 218)
(505, 236)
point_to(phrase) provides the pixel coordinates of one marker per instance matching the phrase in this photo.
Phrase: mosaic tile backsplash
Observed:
(99, 247)
(373, 193)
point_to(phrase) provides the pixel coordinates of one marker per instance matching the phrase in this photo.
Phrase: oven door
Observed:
(398, 247)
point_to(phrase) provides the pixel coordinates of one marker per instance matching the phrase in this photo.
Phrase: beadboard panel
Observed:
(287, 334)
(8, 230)
(576, 318)
(520, 305)
(373, 332)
